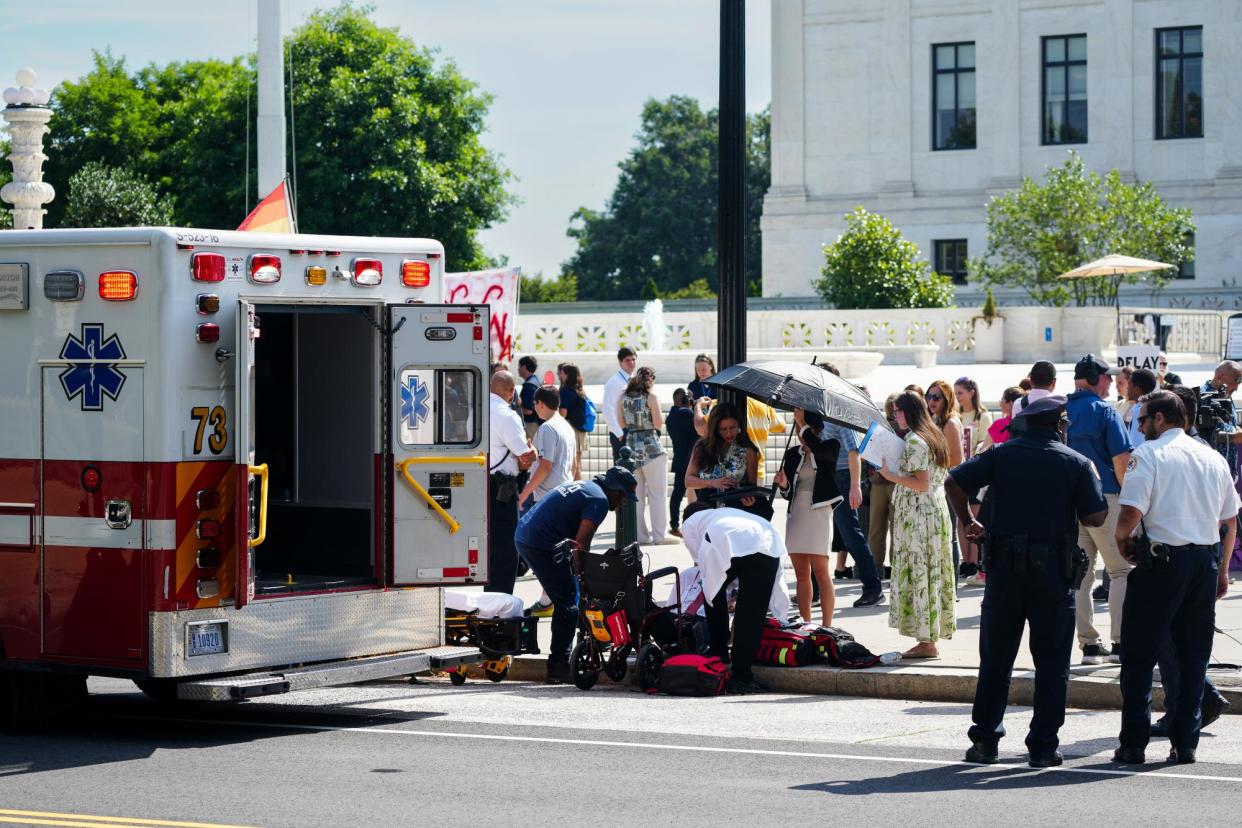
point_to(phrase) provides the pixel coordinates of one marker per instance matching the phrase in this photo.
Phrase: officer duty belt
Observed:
(1163, 549)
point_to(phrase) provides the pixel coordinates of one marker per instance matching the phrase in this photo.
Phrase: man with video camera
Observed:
(1214, 415)
(1179, 496)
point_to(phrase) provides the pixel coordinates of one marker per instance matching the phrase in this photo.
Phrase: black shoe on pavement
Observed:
(1046, 760)
(1114, 657)
(1100, 593)
(1213, 705)
(869, 599)
(968, 570)
(558, 672)
(843, 574)
(981, 753)
(1160, 729)
(1128, 756)
(744, 687)
(1181, 756)
(1095, 654)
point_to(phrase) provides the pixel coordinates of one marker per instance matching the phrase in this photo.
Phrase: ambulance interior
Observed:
(314, 414)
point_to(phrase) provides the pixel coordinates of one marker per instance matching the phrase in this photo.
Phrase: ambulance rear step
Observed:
(327, 674)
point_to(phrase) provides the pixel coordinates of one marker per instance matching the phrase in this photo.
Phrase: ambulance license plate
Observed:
(206, 638)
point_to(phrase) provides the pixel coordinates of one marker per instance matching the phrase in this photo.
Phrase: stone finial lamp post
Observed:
(27, 114)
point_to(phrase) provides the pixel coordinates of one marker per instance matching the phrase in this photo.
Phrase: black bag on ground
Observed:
(693, 675)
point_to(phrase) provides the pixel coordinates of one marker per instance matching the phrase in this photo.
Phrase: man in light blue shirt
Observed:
(845, 516)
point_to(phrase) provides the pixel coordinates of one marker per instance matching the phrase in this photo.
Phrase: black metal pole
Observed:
(731, 242)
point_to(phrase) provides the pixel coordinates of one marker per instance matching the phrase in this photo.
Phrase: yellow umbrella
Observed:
(1115, 265)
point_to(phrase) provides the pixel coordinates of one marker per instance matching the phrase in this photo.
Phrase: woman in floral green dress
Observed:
(921, 603)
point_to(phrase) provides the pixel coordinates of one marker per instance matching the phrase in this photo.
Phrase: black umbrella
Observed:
(789, 385)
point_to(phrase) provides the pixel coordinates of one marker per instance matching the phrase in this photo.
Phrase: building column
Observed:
(1003, 101)
(1114, 64)
(895, 98)
(1221, 45)
(788, 101)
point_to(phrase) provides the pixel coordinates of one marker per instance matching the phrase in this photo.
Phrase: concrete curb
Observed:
(1096, 690)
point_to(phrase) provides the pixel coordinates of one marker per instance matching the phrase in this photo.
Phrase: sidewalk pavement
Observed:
(951, 678)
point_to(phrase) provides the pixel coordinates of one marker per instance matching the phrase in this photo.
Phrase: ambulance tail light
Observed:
(207, 499)
(64, 285)
(264, 269)
(415, 273)
(316, 275)
(368, 272)
(118, 285)
(207, 267)
(207, 304)
(208, 529)
(207, 332)
(207, 558)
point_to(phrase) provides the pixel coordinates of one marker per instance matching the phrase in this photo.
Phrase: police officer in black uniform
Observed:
(1038, 491)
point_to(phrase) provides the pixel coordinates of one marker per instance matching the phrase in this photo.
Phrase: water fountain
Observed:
(653, 323)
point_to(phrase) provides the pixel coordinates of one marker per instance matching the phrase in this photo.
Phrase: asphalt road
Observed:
(528, 755)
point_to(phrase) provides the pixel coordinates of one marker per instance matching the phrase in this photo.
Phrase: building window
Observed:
(1179, 82)
(1186, 270)
(951, 259)
(953, 96)
(1065, 89)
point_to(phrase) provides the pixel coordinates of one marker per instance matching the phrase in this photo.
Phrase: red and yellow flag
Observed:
(272, 215)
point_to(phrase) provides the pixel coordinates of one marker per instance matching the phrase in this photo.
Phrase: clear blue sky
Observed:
(569, 76)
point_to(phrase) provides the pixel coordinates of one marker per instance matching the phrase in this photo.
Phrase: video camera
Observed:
(1214, 415)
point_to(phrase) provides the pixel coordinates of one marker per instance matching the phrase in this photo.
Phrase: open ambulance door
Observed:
(438, 425)
(252, 511)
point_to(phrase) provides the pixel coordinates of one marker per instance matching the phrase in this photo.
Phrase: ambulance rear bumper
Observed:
(279, 632)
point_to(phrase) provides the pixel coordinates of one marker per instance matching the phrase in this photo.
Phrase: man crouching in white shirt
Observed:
(727, 544)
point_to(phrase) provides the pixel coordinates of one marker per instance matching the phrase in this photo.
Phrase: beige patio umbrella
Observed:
(1115, 266)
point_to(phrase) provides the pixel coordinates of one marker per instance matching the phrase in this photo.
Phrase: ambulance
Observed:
(232, 464)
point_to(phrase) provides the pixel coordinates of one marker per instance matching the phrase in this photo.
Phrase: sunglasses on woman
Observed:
(934, 398)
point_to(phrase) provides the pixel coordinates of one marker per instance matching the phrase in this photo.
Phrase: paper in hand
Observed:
(882, 448)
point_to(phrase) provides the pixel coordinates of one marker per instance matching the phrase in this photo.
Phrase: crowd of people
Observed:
(954, 510)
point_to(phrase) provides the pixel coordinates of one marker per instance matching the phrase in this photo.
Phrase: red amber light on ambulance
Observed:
(207, 267)
(208, 529)
(368, 271)
(118, 285)
(91, 479)
(207, 332)
(316, 275)
(264, 269)
(207, 499)
(415, 274)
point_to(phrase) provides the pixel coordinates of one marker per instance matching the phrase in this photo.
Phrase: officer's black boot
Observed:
(982, 753)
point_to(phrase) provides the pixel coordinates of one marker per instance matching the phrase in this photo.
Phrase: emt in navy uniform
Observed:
(1178, 497)
(573, 510)
(1038, 493)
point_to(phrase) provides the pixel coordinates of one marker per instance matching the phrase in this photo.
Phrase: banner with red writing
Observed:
(498, 289)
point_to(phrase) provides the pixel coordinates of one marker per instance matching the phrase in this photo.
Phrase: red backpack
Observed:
(781, 646)
(693, 675)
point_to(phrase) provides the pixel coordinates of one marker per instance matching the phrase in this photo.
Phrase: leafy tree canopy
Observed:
(387, 142)
(872, 266)
(102, 196)
(1040, 231)
(562, 289)
(658, 228)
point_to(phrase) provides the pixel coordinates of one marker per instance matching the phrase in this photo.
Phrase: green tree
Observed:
(102, 196)
(534, 289)
(1040, 231)
(659, 224)
(872, 266)
(387, 141)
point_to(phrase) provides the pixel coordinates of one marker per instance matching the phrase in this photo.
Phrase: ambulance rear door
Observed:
(437, 417)
(251, 480)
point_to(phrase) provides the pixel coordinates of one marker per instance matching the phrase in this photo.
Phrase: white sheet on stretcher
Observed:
(487, 604)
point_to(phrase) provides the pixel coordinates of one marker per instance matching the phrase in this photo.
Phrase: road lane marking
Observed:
(796, 754)
(12, 816)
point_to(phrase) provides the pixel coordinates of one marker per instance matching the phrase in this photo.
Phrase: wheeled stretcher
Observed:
(494, 622)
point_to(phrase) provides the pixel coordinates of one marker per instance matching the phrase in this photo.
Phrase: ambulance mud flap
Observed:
(328, 674)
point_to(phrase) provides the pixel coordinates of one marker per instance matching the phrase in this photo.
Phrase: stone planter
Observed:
(989, 339)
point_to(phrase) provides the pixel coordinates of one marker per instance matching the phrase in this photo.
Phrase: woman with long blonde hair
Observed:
(922, 589)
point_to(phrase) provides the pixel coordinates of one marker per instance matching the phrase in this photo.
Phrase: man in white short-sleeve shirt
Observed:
(614, 388)
(1178, 492)
(557, 446)
(507, 442)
